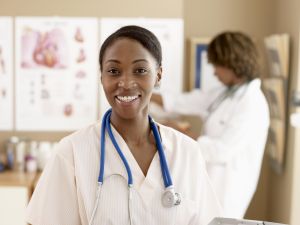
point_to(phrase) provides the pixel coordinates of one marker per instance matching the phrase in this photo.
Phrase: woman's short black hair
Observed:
(236, 51)
(145, 37)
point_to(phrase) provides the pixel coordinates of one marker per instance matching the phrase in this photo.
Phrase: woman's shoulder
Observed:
(86, 133)
(252, 98)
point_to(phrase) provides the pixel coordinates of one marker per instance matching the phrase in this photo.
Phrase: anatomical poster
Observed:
(170, 34)
(56, 73)
(6, 73)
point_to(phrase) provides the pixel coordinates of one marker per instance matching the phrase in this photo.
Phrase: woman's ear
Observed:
(158, 77)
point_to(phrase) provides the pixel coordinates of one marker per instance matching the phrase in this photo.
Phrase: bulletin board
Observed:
(275, 87)
(56, 73)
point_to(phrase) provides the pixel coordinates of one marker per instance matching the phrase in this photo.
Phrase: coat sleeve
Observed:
(191, 103)
(54, 200)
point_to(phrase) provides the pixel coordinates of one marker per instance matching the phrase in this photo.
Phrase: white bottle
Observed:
(20, 156)
(44, 154)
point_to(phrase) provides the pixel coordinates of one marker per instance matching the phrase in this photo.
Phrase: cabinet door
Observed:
(14, 200)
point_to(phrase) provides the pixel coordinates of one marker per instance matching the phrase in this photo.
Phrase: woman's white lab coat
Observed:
(233, 140)
(66, 191)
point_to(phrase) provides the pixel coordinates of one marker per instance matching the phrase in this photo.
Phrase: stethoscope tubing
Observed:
(102, 149)
(108, 127)
(163, 162)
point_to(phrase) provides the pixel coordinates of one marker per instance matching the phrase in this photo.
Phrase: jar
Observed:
(11, 152)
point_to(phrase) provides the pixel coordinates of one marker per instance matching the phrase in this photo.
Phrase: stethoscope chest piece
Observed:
(170, 198)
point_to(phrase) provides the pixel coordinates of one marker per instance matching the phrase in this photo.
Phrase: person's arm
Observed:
(183, 127)
(189, 103)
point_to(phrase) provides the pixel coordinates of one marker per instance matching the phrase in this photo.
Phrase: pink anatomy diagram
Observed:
(44, 49)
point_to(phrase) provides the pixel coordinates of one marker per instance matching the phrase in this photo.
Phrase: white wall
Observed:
(284, 197)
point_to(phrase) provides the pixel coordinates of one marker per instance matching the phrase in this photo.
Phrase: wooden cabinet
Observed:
(15, 191)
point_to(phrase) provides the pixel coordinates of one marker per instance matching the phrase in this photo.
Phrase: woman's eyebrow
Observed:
(112, 61)
(118, 62)
(139, 60)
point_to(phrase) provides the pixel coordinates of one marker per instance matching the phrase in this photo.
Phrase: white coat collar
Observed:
(114, 164)
(252, 85)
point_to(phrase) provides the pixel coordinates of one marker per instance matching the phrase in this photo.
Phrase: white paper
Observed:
(56, 73)
(208, 79)
(6, 73)
(170, 34)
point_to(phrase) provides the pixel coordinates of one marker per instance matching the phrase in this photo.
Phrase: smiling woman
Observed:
(140, 164)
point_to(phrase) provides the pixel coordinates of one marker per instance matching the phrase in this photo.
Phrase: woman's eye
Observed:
(113, 71)
(140, 71)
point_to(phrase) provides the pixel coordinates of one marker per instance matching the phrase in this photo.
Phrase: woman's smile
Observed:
(127, 100)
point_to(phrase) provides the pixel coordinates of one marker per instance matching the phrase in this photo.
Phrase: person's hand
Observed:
(178, 125)
(182, 126)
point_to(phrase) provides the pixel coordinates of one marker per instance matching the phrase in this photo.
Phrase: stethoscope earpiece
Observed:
(170, 198)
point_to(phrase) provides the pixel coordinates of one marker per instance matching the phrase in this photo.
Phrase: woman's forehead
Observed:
(125, 42)
(125, 48)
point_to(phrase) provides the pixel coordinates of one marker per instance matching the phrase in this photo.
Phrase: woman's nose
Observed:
(127, 84)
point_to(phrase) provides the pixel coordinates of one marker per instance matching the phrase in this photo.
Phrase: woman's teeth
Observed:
(127, 98)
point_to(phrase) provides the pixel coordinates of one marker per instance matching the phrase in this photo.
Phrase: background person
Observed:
(236, 120)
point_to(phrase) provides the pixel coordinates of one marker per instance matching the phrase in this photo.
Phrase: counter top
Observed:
(14, 178)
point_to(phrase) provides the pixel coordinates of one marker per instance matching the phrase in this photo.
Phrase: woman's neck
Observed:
(135, 131)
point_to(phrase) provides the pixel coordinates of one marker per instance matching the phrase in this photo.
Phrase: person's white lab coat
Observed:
(233, 139)
(66, 191)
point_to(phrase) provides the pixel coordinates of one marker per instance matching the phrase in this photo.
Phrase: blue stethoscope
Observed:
(169, 198)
